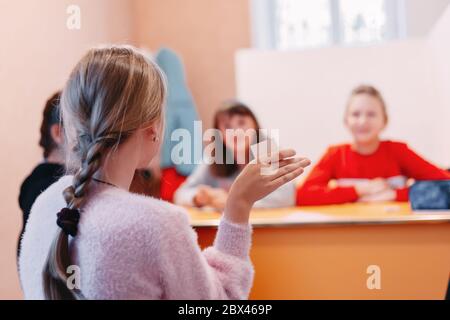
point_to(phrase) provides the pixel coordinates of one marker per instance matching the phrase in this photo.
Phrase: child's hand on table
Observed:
(218, 199)
(376, 190)
(383, 196)
(211, 197)
(202, 198)
(372, 187)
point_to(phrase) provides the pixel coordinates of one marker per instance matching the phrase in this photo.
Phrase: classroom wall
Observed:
(206, 33)
(303, 93)
(422, 15)
(36, 56)
(439, 44)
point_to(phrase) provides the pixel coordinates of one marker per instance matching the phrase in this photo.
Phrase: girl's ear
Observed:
(152, 133)
(57, 134)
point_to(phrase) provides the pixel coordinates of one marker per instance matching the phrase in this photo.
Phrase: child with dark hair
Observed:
(209, 184)
(51, 168)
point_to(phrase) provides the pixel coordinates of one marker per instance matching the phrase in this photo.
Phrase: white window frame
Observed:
(263, 18)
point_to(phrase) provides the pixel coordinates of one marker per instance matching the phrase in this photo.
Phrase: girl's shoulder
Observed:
(337, 149)
(146, 205)
(394, 144)
(134, 209)
(394, 148)
(111, 208)
(339, 146)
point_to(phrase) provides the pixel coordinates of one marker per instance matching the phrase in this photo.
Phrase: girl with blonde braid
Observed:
(88, 226)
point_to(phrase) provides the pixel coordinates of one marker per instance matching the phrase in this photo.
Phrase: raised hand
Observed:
(254, 182)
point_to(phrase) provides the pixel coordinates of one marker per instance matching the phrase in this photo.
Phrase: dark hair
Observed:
(230, 108)
(51, 116)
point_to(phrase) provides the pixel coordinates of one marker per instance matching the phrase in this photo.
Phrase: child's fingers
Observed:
(302, 163)
(286, 153)
(305, 162)
(285, 166)
(282, 154)
(285, 162)
(278, 182)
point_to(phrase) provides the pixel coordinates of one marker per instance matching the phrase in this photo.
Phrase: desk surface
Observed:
(357, 213)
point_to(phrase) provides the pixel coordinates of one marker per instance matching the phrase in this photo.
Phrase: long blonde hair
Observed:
(112, 92)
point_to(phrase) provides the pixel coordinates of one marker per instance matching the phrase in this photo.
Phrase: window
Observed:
(292, 24)
(364, 21)
(302, 23)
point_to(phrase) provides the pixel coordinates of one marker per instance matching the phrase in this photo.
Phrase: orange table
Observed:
(325, 252)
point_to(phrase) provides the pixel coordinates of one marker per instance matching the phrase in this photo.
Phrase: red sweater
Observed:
(392, 159)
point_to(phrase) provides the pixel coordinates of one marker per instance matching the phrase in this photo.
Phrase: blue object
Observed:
(180, 112)
(430, 195)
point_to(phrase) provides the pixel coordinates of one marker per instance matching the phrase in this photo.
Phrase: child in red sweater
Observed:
(368, 170)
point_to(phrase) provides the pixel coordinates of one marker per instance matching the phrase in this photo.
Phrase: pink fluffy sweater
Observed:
(135, 247)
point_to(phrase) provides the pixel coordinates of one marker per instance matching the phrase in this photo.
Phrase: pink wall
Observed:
(206, 33)
(36, 55)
